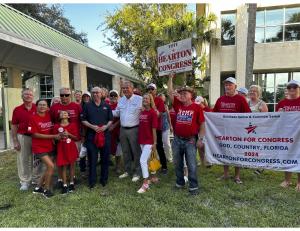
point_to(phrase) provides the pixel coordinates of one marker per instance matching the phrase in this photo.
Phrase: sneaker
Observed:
(48, 194)
(38, 190)
(24, 187)
(144, 188)
(71, 188)
(135, 178)
(177, 187)
(124, 175)
(64, 190)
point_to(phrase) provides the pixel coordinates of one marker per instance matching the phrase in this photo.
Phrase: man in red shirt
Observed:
(22, 139)
(189, 124)
(160, 108)
(231, 102)
(73, 110)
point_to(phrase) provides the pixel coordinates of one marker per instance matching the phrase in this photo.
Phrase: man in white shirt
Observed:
(129, 109)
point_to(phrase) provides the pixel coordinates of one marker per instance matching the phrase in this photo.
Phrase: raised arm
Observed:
(170, 87)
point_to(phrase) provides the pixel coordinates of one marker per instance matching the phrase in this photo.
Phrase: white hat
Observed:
(199, 99)
(231, 80)
(293, 82)
(86, 93)
(243, 90)
(114, 92)
(152, 85)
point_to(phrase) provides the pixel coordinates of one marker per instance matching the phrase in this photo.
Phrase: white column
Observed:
(80, 76)
(241, 44)
(116, 81)
(60, 73)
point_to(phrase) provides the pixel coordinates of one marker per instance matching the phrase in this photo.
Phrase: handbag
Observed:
(154, 163)
(99, 140)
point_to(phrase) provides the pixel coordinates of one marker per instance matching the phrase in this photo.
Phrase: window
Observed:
(228, 29)
(277, 25)
(46, 87)
(273, 86)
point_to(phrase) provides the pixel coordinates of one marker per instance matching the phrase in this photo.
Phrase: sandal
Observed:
(238, 181)
(144, 188)
(223, 178)
(285, 184)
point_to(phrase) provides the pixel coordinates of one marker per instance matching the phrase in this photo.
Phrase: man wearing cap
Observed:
(97, 117)
(22, 139)
(189, 124)
(292, 103)
(160, 108)
(115, 131)
(73, 110)
(129, 109)
(243, 92)
(231, 102)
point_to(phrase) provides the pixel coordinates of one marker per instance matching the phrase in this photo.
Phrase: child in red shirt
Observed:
(67, 152)
(147, 139)
(40, 126)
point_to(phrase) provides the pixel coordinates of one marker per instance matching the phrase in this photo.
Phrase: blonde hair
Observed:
(258, 88)
(152, 104)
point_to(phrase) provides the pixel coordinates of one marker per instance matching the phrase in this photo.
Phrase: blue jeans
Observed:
(188, 148)
(92, 151)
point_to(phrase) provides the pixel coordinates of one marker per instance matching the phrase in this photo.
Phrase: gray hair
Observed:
(64, 89)
(129, 83)
(26, 89)
(258, 88)
(97, 89)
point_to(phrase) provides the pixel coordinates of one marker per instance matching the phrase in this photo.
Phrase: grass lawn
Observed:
(259, 202)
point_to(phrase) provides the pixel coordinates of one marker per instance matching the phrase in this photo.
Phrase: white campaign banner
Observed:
(175, 57)
(254, 140)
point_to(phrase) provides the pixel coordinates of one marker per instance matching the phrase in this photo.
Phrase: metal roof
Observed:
(17, 24)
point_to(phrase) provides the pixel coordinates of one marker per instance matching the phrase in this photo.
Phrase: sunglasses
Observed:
(292, 87)
(64, 95)
(151, 89)
(113, 95)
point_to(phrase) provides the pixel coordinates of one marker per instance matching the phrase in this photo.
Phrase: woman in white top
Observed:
(256, 105)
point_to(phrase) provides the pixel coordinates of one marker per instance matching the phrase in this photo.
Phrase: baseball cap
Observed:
(199, 99)
(86, 93)
(151, 85)
(230, 79)
(293, 82)
(186, 88)
(243, 90)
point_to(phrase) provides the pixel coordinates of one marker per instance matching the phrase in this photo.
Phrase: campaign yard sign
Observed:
(254, 140)
(175, 57)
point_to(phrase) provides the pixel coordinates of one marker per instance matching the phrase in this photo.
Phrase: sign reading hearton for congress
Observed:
(175, 57)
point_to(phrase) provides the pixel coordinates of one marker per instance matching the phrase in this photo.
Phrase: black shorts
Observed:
(40, 155)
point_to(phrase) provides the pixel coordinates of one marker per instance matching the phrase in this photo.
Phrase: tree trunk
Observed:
(250, 43)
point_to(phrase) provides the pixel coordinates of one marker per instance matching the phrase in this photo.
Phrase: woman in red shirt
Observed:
(67, 152)
(40, 126)
(147, 139)
(291, 103)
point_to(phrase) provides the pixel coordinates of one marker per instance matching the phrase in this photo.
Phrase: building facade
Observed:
(276, 49)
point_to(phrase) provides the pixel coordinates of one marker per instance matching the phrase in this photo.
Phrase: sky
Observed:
(88, 17)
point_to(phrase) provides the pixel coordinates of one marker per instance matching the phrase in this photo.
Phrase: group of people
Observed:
(126, 124)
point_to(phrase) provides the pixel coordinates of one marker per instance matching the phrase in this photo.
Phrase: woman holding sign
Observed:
(292, 103)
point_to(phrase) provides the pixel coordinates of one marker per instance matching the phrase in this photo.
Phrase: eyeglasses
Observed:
(64, 95)
(151, 89)
(96, 92)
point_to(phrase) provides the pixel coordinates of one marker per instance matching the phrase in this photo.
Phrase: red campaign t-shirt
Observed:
(21, 117)
(231, 104)
(160, 106)
(148, 120)
(289, 104)
(173, 117)
(72, 108)
(188, 119)
(42, 125)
